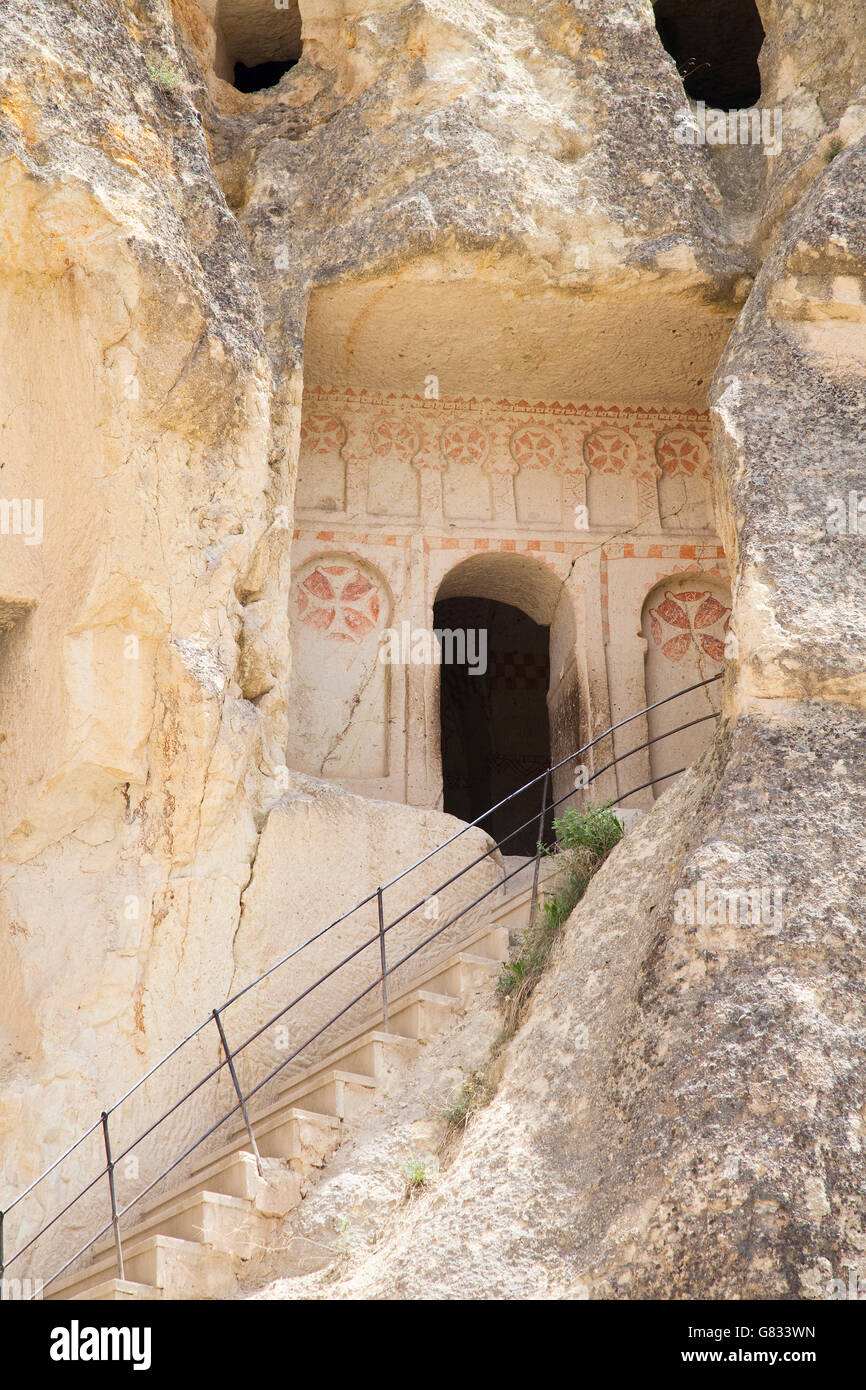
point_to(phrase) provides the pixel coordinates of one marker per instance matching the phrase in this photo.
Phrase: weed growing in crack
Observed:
(165, 73)
(416, 1172)
(584, 839)
(474, 1092)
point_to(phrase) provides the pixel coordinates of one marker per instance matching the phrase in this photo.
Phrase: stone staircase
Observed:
(192, 1243)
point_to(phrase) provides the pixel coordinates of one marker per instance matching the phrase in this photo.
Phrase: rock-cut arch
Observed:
(500, 729)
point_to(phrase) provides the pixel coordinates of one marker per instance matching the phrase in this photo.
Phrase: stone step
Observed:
(300, 1137)
(464, 974)
(375, 1053)
(512, 911)
(220, 1204)
(422, 1015)
(273, 1193)
(491, 948)
(491, 944)
(494, 944)
(119, 1290)
(491, 941)
(335, 1092)
(210, 1218)
(186, 1245)
(371, 1052)
(360, 1065)
(178, 1269)
(338, 1090)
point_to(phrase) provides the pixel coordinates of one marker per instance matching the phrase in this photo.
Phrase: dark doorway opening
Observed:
(715, 45)
(260, 75)
(495, 735)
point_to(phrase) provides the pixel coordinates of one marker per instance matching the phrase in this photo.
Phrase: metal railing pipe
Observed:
(237, 1085)
(569, 758)
(382, 957)
(113, 1194)
(533, 906)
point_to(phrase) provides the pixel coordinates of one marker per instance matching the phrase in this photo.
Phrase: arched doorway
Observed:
(506, 717)
(495, 734)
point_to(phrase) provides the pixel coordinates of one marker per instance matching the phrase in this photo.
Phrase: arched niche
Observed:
(685, 499)
(537, 450)
(610, 455)
(685, 624)
(511, 578)
(338, 703)
(321, 466)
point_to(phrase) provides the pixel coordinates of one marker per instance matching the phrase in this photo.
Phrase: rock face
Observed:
(507, 198)
(136, 400)
(682, 1114)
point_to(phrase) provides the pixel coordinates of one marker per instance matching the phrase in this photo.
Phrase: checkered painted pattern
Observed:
(519, 671)
(524, 769)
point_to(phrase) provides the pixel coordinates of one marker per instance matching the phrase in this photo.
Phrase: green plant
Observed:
(472, 1094)
(415, 1171)
(834, 148)
(513, 974)
(584, 839)
(165, 73)
(595, 828)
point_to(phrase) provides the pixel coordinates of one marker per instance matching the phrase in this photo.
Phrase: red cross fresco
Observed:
(340, 601)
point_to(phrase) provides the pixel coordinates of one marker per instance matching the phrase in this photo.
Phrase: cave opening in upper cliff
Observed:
(715, 45)
(258, 42)
(260, 76)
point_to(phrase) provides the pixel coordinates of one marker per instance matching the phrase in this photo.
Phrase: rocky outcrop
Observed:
(682, 1114)
(137, 410)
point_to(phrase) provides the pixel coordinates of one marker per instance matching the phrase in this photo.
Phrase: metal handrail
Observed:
(379, 981)
(569, 758)
(357, 906)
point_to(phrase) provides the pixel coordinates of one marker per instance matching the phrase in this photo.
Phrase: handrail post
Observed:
(533, 909)
(382, 955)
(115, 1221)
(240, 1094)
